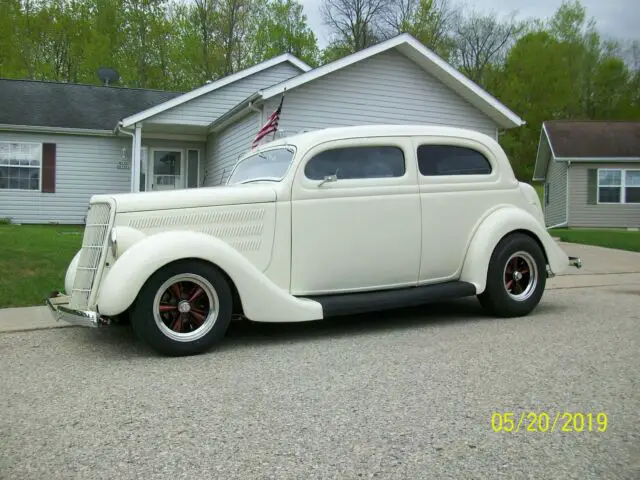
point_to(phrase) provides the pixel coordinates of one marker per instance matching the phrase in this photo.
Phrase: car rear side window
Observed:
(436, 160)
(357, 162)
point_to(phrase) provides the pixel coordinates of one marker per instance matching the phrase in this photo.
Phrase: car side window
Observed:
(357, 162)
(435, 160)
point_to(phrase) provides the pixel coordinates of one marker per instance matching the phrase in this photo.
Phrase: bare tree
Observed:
(482, 40)
(355, 23)
(429, 21)
(205, 14)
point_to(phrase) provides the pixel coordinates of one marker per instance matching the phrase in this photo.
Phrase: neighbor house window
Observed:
(617, 185)
(20, 165)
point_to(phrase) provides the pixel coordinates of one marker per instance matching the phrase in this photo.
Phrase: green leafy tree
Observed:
(280, 26)
(232, 22)
(533, 83)
(145, 48)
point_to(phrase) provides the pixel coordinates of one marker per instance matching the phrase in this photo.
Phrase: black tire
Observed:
(183, 330)
(496, 298)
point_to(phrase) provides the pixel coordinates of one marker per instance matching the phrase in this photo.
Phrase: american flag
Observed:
(271, 126)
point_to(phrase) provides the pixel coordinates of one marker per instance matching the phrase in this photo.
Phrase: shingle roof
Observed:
(51, 104)
(594, 139)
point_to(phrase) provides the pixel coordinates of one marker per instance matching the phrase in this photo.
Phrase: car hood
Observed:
(189, 198)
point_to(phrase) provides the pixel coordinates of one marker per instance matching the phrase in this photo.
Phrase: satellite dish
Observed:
(108, 75)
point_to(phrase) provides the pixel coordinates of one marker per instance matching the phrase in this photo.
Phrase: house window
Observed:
(20, 165)
(436, 160)
(616, 185)
(357, 162)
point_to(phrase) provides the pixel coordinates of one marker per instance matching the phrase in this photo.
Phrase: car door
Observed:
(359, 230)
(459, 182)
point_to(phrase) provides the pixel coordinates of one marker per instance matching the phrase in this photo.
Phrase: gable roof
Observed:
(586, 141)
(417, 52)
(210, 87)
(591, 139)
(33, 103)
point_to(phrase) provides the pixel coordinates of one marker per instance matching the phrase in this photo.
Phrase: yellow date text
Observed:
(549, 422)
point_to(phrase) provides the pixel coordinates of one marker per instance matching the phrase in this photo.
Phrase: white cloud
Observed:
(615, 18)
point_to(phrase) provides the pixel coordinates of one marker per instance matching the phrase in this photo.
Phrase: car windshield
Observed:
(269, 165)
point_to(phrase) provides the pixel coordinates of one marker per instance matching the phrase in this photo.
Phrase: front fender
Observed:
(492, 229)
(261, 299)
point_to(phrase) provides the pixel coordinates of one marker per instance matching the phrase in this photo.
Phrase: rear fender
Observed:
(261, 299)
(494, 228)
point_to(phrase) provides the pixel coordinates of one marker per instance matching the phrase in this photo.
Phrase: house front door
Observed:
(167, 169)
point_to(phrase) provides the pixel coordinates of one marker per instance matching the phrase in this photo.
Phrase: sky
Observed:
(616, 18)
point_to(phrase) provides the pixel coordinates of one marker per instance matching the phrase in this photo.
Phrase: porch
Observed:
(167, 156)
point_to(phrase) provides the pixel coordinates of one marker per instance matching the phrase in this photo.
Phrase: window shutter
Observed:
(48, 167)
(592, 186)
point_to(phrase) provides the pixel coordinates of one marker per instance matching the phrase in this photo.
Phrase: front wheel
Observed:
(183, 309)
(516, 277)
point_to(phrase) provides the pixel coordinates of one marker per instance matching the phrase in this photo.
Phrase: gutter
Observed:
(59, 130)
(237, 111)
(255, 109)
(598, 159)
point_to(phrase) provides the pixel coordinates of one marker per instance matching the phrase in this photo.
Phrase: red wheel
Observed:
(515, 278)
(184, 308)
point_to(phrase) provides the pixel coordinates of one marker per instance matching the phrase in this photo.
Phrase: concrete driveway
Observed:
(601, 267)
(400, 395)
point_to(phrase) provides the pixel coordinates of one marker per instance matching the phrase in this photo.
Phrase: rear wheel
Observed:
(516, 277)
(183, 309)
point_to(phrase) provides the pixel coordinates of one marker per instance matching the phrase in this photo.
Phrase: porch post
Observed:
(135, 159)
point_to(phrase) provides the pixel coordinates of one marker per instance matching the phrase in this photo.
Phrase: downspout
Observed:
(121, 129)
(256, 109)
(566, 215)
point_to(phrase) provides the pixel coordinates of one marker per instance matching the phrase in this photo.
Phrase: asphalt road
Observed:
(405, 395)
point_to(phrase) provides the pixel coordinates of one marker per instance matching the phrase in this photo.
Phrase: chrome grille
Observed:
(91, 254)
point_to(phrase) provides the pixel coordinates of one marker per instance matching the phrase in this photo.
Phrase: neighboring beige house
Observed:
(591, 173)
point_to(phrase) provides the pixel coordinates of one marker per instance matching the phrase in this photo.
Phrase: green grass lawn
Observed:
(611, 238)
(34, 260)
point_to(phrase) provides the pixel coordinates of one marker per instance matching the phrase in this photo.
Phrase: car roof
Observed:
(394, 130)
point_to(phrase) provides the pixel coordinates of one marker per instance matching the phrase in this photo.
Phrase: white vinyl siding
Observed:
(386, 88)
(205, 109)
(85, 166)
(226, 146)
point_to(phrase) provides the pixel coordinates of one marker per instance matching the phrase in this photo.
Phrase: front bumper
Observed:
(59, 306)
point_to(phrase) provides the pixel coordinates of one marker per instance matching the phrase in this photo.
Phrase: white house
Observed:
(62, 143)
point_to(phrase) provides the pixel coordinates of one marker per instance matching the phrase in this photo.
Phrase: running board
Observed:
(362, 302)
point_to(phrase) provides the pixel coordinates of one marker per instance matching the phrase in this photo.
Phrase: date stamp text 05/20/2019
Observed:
(549, 422)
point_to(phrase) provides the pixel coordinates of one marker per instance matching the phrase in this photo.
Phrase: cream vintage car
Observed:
(328, 222)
